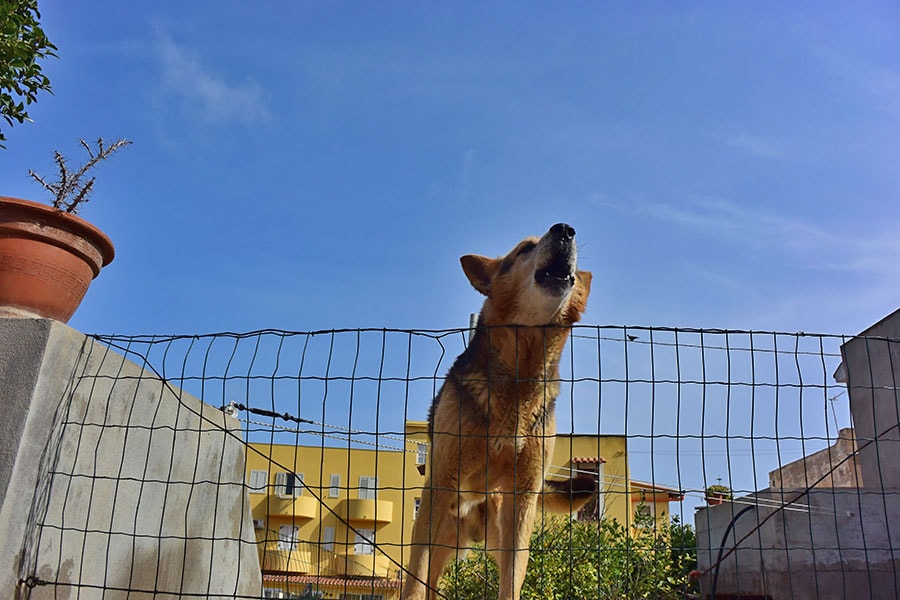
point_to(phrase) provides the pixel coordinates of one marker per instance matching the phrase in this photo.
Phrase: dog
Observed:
(492, 424)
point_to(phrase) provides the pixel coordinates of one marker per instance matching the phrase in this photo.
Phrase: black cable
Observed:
(715, 583)
(267, 413)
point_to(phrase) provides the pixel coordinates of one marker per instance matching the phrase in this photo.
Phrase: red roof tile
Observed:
(349, 582)
(588, 459)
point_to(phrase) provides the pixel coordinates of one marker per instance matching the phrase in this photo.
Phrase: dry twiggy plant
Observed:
(71, 190)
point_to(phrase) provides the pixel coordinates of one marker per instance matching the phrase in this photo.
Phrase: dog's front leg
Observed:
(414, 585)
(435, 538)
(516, 513)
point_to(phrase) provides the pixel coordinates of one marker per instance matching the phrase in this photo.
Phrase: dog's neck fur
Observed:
(520, 353)
(515, 361)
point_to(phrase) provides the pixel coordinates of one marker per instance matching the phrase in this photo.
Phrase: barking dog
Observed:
(493, 424)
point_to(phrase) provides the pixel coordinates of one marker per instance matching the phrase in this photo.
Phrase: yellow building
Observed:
(653, 500)
(333, 522)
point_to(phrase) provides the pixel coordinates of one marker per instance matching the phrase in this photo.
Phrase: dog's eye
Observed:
(526, 248)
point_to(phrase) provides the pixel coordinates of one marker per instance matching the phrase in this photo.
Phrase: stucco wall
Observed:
(826, 542)
(833, 544)
(119, 484)
(835, 466)
(872, 364)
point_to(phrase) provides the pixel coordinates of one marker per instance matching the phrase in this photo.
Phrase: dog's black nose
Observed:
(563, 231)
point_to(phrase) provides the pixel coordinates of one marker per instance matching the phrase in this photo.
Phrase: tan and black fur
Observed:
(493, 423)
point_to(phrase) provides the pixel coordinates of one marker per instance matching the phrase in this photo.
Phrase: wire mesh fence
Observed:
(724, 462)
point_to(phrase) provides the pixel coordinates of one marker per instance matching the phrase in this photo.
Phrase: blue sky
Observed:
(319, 165)
(306, 165)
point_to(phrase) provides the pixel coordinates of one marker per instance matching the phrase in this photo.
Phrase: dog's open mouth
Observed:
(558, 273)
(555, 256)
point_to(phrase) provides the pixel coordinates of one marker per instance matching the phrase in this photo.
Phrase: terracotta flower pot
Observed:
(48, 258)
(717, 498)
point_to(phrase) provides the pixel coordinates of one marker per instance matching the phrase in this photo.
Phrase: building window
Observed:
(335, 489)
(328, 538)
(257, 482)
(367, 488)
(272, 593)
(287, 537)
(595, 508)
(421, 453)
(416, 504)
(289, 485)
(365, 541)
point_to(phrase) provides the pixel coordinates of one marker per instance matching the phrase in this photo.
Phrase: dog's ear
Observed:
(578, 301)
(585, 277)
(480, 271)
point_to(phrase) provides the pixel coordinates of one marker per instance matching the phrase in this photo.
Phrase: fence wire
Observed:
(725, 462)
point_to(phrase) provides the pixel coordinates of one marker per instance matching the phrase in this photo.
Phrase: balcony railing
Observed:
(297, 560)
(300, 508)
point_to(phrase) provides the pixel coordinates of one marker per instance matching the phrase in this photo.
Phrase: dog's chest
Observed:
(511, 411)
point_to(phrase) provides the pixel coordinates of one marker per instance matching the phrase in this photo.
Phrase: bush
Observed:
(571, 559)
(683, 544)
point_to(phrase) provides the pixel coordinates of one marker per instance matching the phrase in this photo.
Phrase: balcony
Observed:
(370, 511)
(298, 508)
(286, 561)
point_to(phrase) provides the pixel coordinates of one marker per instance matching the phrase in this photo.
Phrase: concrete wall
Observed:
(835, 466)
(841, 546)
(112, 480)
(838, 542)
(872, 366)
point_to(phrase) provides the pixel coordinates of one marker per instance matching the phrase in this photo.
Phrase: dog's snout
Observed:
(563, 231)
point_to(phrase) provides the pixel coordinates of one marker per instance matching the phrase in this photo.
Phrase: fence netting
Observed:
(724, 463)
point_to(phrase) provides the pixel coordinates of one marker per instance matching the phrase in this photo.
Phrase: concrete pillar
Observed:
(872, 370)
(114, 483)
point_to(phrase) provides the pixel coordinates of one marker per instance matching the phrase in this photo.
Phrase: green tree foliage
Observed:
(683, 544)
(571, 559)
(22, 44)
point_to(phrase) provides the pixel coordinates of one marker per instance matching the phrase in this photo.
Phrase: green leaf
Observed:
(22, 45)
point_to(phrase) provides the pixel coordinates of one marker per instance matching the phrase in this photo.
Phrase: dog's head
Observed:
(537, 283)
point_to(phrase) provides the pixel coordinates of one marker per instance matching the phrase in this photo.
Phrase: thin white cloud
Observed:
(204, 94)
(856, 272)
(602, 200)
(810, 245)
(757, 145)
(737, 285)
(465, 174)
(455, 184)
(878, 83)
